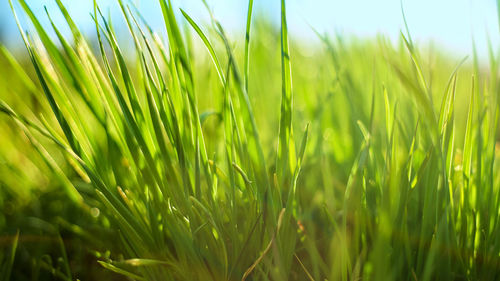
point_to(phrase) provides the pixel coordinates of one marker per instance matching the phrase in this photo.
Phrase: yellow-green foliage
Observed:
(185, 158)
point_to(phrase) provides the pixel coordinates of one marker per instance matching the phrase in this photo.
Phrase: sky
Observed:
(450, 24)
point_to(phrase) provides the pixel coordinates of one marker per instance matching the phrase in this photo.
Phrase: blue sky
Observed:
(448, 23)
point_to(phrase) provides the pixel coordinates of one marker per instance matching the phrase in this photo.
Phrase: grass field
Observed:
(192, 154)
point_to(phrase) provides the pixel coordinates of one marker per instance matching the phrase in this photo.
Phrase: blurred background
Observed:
(450, 24)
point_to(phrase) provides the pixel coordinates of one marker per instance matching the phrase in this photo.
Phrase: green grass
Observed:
(169, 161)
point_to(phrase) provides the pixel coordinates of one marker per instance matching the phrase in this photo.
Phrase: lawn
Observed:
(193, 153)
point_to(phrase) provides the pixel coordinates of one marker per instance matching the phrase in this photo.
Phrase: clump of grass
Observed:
(395, 178)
